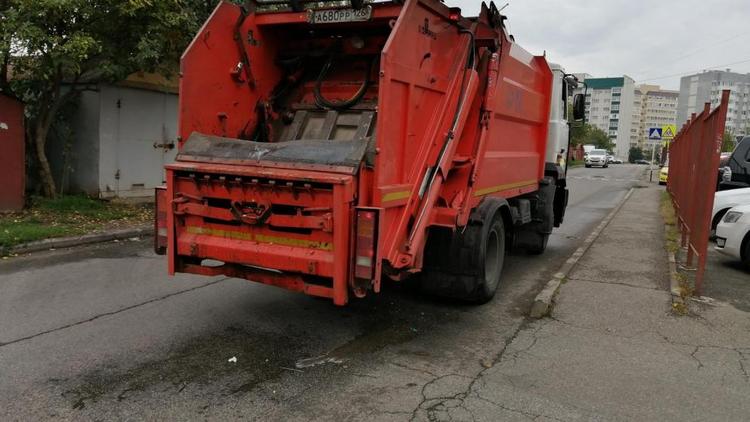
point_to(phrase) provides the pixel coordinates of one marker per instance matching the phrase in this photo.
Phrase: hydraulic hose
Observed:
(323, 102)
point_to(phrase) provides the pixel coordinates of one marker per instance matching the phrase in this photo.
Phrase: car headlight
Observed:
(732, 217)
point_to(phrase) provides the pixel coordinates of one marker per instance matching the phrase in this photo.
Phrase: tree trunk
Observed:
(45, 172)
(44, 121)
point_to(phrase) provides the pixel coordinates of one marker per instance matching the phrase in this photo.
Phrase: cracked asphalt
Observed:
(102, 333)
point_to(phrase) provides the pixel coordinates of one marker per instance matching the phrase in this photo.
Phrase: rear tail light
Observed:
(366, 264)
(160, 220)
(454, 14)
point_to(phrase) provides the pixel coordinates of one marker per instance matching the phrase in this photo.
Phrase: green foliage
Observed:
(634, 154)
(81, 43)
(67, 216)
(728, 142)
(586, 134)
(15, 232)
(84, 206)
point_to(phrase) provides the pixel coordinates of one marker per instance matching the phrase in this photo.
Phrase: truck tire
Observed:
(533, 237)
(470, 268)
(540, 244)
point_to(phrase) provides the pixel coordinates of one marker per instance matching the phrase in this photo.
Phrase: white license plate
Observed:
(339, 15)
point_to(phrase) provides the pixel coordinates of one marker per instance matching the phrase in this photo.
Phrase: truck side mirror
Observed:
(579, 107)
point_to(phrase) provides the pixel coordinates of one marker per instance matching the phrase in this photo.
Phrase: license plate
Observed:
(339, 15)
(721, 242)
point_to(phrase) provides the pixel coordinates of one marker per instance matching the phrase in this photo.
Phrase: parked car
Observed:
(615, 160)
(722, 165)
(642, 162)
(664, 175)
(733, 234)
(736, 173)
(725, 200)
(598, 158)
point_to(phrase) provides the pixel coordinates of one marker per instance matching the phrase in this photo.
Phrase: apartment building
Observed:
(706, 87)
(652, 107)
(609, 106)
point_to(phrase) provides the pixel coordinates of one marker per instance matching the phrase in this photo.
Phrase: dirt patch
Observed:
(203, 361)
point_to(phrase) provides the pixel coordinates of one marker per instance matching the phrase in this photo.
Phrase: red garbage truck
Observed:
(326, 145)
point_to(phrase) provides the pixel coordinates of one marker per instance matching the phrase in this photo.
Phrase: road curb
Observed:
(87, 239)
(542, 305)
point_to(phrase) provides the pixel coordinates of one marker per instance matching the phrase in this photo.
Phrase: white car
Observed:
(733, 234)
(597, 157)
(725, 200)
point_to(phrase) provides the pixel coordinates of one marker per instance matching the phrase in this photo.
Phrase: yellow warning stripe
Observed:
(500, 188)
(395, 196)
(262, 238)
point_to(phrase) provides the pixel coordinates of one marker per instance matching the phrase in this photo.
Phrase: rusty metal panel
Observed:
(12, 158)
(693, 159)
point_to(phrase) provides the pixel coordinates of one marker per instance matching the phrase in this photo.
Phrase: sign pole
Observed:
(653, 154)
(654, 134)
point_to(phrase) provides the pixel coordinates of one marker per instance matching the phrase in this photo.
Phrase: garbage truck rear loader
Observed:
(323, 147)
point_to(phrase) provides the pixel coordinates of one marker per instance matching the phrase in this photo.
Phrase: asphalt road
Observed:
(102, 333)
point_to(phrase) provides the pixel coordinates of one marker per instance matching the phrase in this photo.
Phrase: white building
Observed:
(609, 106)
(706, 87)
(653, 107)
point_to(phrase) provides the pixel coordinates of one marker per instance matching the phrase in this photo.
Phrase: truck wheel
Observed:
(494, 260)
(469, 269)
(540, 244)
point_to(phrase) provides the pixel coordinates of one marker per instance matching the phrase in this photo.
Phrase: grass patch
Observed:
(672, 244)
(670, 221)
(68, 216)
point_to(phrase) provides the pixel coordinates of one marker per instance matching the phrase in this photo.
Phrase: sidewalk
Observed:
(612, 349)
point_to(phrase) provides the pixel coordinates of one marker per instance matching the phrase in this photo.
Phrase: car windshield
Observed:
(598, 152)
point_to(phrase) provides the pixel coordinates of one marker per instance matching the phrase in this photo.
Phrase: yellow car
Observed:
(663, 175)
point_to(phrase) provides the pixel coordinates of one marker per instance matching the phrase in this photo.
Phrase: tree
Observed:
(600, 139)
(585, 134)
(634, 154)
(57, 48)
(728, 141)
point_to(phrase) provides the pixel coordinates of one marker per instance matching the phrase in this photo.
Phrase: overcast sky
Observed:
(654, 41)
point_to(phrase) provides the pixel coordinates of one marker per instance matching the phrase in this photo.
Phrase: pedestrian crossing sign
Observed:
(668, 131)
(654, 133)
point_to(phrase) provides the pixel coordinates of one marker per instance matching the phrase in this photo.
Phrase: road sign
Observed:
(654, 133)
(668, 131)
